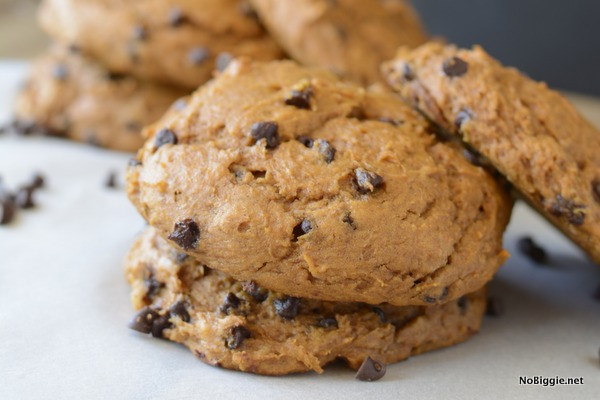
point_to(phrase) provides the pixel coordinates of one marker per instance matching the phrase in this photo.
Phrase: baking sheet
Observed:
(65, 305)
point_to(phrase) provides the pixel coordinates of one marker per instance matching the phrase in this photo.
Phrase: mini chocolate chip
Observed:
(24, 127)
(463, 303)
(179, 309)
(472, 157)
(300, 98)
(259, 294)
(143, 321)
(494, 307)
(115, 76)
(176, 17)
(165, 136)
(407, 73)
(328, 322)
(266, 130)
(111, 180)
(370, 370)
(596, 189)
(357, 113)
(222, 61)
(159, 325)
(380, 314)
(463, 116)
(60, 72)
(237, 335)
(306, 141)
(327, 150)
(24, 198)
(455, 67)
(366, 181)
(134, 162)
(139, 32)
(349, 220)
(37, 181)
(429, 299)
(180, 104)
(567, 208)
(186, 234)
(231, 302)
(7, 210)
(287, 307)
(198, 55)
(152, 285)
(531, 249)
(302, 229)
(181, 258)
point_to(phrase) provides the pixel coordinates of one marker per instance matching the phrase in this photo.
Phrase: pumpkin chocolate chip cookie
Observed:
(349, 37)
(529, 133)
(319, 189)
(239, 325)
(68, 95)
(173, 41)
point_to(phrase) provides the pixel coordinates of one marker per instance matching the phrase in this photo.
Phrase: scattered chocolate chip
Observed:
(455, 67)
(380, 314)
(60, 72)
(181, 257)
(25, 127)
(259, 294)
(366, 181)
(37, 181)
(134, 162)
(159, 325)
(306, 141)
(237, 335)
(349, 220)
(186, 234)
(165, 136)
(111, 180)
(472, 157)
(180, 104)
(179, 309)
(152, 285)
(328, 322)
(596, 189)
(429, 299)
(463, 116)
(115, 76)
(7, 210)
(287, 307)
(370, 370)
(139, 32)
(463, 303)
(266, 130)
(144, 320)
(198, 55)
(24, 198)
(176, 17)
(300, 98)
(302, 229)
(407, 73)
(531, 249)
(222, 61)
(573, 212)
(326, 150)
(357, 113)
(231, 302)
(494, 307)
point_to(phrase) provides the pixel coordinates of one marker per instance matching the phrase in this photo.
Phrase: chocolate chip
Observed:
(266, 130)
(115, 76)
(222, 61)
(357, 113)
(179, 309)
(306, 141)
(159, 325)
(186, 234)
(259, 294)
(349, 220)
(326, 150)
(165, 136)
(231, 302)
(37, 181)
(152, 285)
(531, 249)
(237, 335)
(328, 322)
(455, 67)
(180, 104)
(300, 98)
(287, 307)
(407, 73)
(472, 157)
(181, 258)
(134, 162)
(139, 32)
(380, 314)
(596, 189)
(176, 17)
(144, 320)
(24, 198)
(494, 307)
(429, 299)
(60, 72)
(111, 180)
(25, 127)
(567, 208)
(370, 370)
(7, 210)
(198, 55)
(463, 116)
(463, 303)
(302, 229)
(366, 181)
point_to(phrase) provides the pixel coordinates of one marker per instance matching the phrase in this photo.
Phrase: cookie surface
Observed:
(529, 133)
(71, 96)
(241, 326)
(316, 188)
(172, 41)
(349, 37)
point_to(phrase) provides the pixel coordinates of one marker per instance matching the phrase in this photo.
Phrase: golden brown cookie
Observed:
(349, 37)
(241, 326)
(316, 188)
(70, 95)
(173, 41)
(530, 133)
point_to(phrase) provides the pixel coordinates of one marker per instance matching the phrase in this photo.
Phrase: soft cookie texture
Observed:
(529, 133)
(69, 95)
(173, 41)
(239, 325)
(349, 37)
(316, 188)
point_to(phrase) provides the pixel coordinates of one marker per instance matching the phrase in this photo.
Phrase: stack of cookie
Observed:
(296, 219)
